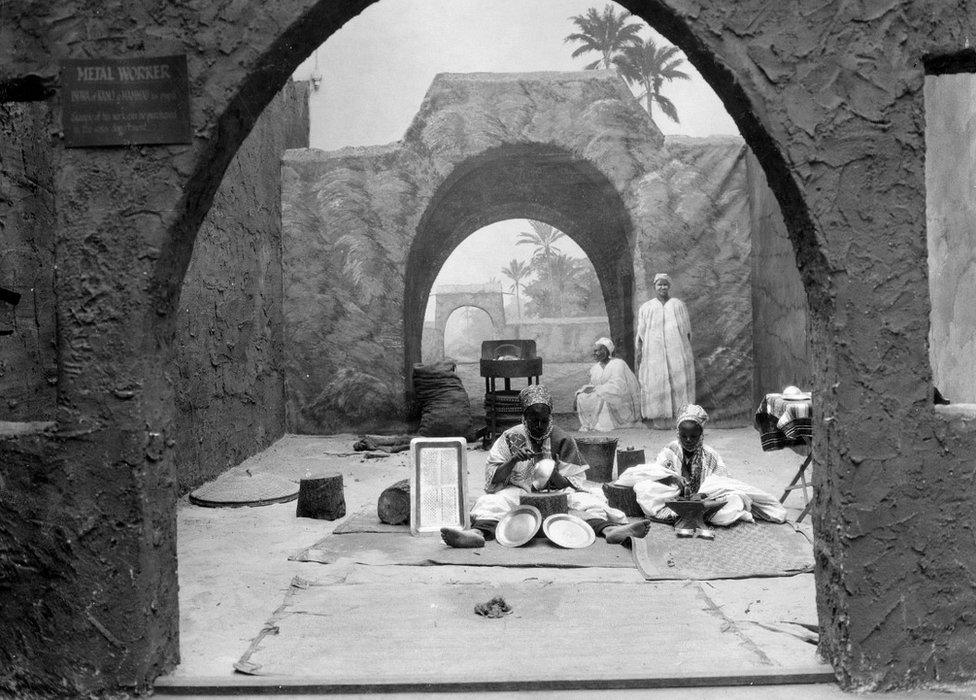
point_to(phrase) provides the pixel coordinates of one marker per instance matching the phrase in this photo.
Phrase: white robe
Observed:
(615, 400)
(741, 501)
(667, 368)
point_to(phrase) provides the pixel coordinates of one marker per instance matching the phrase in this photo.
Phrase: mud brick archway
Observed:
(451, 298)
(829, 98)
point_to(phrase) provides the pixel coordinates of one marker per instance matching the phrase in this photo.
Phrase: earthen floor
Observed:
(234, 567)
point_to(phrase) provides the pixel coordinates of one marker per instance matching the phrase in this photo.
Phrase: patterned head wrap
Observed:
(662, 276)
(694, 413)
(535, 394)
(607, 343)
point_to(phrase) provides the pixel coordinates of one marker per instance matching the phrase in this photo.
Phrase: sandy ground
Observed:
(234, 566)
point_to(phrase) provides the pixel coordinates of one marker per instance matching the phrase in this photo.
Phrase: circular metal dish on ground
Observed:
(237, 490)
(568, 531)
(518, 527)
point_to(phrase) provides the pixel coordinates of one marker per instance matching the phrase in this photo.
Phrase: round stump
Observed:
(623, 498)
(321, 498)
(393, 505)
(547, 503)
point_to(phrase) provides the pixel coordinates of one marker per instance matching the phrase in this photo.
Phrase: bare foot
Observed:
(465, 539)
(617, 534)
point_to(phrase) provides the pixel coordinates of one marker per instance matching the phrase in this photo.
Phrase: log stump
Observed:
(547, 503)
(393, 506)
(623, 498)
(321, 498)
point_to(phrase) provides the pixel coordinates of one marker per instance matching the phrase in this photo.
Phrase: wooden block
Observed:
(321, 498)
(393, 506)
(629, 458)
(623, 498)
(547, 503)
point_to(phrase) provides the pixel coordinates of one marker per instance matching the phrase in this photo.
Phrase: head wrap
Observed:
(535, 394)
(694, 413)
(662, 276)
(607, 343)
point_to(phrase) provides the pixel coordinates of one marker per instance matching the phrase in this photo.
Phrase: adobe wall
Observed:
(28, 356)
(228, 367)
(830, 98)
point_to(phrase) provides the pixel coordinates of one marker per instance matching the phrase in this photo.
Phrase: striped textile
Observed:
(783, 423)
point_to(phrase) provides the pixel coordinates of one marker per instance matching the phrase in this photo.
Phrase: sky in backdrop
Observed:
(376, 69)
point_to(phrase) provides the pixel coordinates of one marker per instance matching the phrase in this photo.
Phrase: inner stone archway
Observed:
(526, 181)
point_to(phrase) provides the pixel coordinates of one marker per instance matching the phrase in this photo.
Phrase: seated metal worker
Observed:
(511, 470)
(688, 467)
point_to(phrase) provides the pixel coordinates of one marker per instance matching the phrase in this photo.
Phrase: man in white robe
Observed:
(665, 364)
(612, 398)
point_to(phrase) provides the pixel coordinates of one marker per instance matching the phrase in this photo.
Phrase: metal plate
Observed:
(568, 531)
(518, 527)
(438, 484)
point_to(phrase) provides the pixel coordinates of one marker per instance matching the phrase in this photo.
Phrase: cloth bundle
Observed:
(445, 409)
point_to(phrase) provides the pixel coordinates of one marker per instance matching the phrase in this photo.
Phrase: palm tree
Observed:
(517, 271)
(605, 33)
(648, 66)
(543, 237)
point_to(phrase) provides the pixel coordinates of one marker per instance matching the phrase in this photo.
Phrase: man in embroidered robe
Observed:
(686, 467)
(511, 471)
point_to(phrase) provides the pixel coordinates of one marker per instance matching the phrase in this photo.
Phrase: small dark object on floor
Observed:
(496, 607)
(393, 506)
(321, 498)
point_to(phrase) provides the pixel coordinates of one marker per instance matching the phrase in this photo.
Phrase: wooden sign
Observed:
(125, 101)
(438, 484)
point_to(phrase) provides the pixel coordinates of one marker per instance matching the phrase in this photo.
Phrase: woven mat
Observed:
(741, 551)
(236, 489)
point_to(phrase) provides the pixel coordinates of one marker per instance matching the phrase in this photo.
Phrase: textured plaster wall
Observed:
(779, 304)
(828, 95)
(572, 149)
(950, 184)
(28, 356)
(229, 356)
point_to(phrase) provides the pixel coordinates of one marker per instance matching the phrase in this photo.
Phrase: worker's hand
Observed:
(588, 389)
(676, 480)
(523, 453)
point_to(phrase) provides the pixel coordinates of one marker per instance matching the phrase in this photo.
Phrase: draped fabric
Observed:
(615, 399)
(667, 368)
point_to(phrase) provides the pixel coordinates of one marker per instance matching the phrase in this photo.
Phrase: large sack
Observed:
(445, 409)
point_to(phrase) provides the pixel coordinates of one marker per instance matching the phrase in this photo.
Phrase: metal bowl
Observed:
(543, 470)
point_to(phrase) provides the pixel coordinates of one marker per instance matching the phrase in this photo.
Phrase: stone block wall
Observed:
(28, 356)
(230, 387)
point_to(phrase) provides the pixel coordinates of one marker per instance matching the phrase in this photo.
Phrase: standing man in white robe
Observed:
(665, 364)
